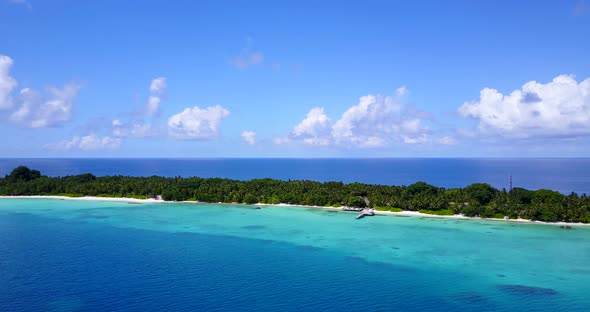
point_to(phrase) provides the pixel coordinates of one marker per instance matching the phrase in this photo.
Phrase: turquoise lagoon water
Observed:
(61, 255)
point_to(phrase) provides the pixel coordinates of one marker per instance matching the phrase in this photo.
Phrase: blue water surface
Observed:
(561, 174)
(114, 256)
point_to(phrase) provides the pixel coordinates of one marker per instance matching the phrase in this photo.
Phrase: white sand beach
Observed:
(405, 213)
(86, 198)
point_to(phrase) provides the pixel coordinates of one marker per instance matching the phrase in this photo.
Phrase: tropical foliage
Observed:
(478, 199)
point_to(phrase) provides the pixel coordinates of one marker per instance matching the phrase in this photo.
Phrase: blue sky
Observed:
(294, 78)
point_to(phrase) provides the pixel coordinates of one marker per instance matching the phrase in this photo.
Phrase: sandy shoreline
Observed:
(87, 198)
(404, 213)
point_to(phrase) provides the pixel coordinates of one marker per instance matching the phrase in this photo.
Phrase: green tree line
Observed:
(479, 199)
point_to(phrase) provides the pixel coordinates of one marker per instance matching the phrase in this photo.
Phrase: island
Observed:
(475, 200)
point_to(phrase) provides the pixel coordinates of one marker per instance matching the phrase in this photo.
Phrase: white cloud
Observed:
(249, 137)
(39, 110)
(422, 138)
(117, 123)
(314, 129)
(134, 129)
(7, 83)
(558, 108)
(376, 121)
(401, 91)
(153, 106)
(157, 90)
(34, 108)
(87, 143)
(158, 86)
(197, 124)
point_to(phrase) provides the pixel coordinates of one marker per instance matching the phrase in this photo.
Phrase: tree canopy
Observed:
(23, 173)
(479, 199)
(482, 192)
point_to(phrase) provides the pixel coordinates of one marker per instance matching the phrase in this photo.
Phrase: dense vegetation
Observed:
(478, 199)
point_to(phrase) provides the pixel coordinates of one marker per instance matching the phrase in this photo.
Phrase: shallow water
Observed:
(95, 256)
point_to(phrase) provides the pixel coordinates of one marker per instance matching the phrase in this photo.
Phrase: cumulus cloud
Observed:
(314, 124)
(87, 143)
(196, 123)
(560, 108)
(157, 90)
(401, 91)
(35, 109)
(7, 83)
(314, 129)
(153, 106)
(249, 137)
(52, 108)
(158, 86)
(376, 121)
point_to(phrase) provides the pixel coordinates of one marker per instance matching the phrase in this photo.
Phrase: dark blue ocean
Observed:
(562, 174)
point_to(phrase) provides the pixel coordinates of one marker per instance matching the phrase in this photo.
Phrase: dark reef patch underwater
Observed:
(521, 290)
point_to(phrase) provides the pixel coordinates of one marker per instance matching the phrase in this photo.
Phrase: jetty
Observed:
(363, 211)
(352, 209)
(366, 212)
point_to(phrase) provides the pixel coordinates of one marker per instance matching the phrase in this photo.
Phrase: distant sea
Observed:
(67, 255)
(561, 174)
